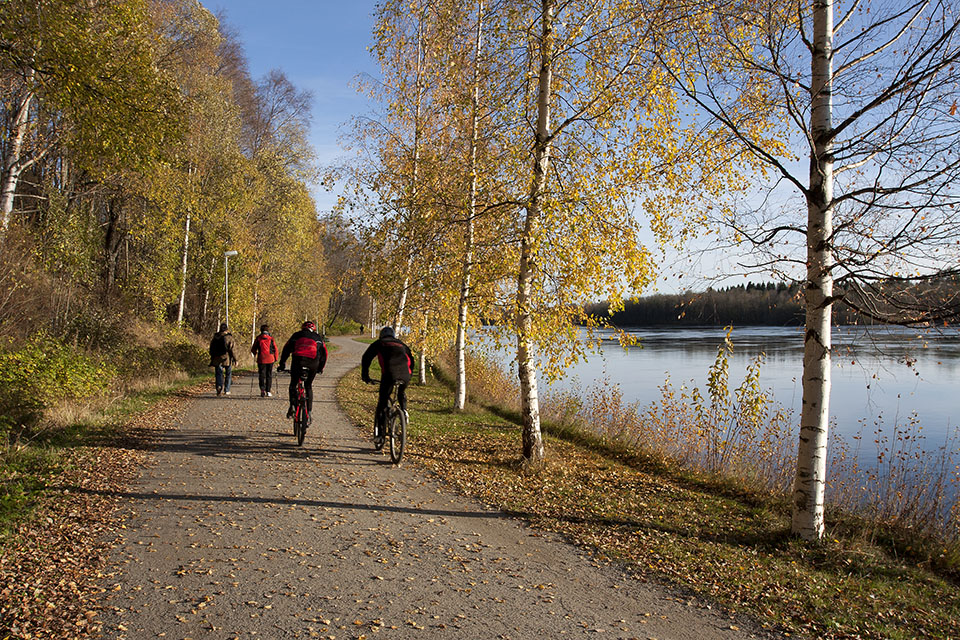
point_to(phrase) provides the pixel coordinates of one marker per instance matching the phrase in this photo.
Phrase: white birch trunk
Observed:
(422, 356)
(810, 481)
(256, 301)
(183, 270)
(415, 186)
(373, 318)
(206, 295)
(529, 400)
(13, 164)
(402, 303)
(460, 394)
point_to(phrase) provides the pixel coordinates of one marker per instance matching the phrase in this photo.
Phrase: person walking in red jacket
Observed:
(264, 349)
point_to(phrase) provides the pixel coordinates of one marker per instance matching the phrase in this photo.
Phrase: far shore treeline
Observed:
(753, 304)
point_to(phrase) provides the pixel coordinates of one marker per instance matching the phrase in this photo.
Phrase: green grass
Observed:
(732, 547)
(29, 467)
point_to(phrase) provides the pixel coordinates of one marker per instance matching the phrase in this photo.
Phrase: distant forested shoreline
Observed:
(765, 304)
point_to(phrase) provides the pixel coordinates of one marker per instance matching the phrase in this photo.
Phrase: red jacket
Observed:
(265, 349)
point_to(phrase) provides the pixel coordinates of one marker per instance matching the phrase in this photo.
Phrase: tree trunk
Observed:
(529, 400)
(206, 293)
(422, 373)
(810, 482)
(460, 395)
(256, 301)
(183, 270)
(114, 240)
(402, 303)
(415, 182)
(13, 164)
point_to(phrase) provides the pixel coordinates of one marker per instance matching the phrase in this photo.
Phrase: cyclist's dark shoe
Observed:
(290, 412)
(219, 390)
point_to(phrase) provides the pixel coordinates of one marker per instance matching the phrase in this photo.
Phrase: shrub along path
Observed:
(232, 531)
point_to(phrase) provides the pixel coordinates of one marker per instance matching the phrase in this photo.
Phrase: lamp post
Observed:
(226, 284)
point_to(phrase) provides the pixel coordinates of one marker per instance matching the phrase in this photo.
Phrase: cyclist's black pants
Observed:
(386, 386)
(295, 369)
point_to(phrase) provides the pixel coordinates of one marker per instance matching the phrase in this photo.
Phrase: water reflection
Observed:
(881, 376)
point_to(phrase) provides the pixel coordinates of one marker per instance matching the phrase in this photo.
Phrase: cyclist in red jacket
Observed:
(265, 351)
(309, 354)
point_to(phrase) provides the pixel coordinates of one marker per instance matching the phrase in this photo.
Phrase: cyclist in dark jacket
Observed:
(308, 353)
(396, 364)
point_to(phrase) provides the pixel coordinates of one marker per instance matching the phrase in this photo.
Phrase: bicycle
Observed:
(301, 414)
(396, 425)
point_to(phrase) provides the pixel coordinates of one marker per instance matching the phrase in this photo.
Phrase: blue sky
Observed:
(321, 45)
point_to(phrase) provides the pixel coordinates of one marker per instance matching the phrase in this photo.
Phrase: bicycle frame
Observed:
(394, 424)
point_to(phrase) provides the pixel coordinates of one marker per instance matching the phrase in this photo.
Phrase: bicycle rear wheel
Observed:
(378, 440)
(300, 426)
(398, 434)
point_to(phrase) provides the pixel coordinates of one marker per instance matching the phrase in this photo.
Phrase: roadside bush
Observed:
(40, 372)
(341, 327)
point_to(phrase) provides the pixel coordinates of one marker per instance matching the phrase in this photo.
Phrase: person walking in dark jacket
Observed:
(309, 354)
(264, 349)
(396, 365)
(222, 358)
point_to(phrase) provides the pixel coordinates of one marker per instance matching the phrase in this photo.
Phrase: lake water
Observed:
(885, 375)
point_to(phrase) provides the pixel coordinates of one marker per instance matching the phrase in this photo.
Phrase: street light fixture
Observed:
(226, 283)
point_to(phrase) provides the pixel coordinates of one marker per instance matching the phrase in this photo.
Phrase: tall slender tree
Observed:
(869, 102)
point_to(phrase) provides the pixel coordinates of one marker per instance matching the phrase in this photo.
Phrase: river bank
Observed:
(720, 541)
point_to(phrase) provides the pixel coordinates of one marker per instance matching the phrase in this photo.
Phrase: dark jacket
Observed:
(264, 348)
(221, 349)
(307, 348)
(395, 358)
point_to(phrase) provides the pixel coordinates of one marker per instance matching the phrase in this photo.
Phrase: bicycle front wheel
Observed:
(398, 434)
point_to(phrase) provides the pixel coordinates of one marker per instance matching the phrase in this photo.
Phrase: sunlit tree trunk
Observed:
(206, 295)
(529, 400)
(422, 356)
(13, 164)
(414, 186)
(810, 482)
(460, 396)
(183, 270)
(402, 303)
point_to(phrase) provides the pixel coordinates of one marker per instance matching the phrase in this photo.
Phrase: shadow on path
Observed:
(382, 508)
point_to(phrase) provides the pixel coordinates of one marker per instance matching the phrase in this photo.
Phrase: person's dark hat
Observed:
(387, 332)
(264, 327)
(223, 327)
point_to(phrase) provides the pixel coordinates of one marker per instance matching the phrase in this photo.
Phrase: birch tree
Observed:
(81, 75)
(869, 102)
(596, 125)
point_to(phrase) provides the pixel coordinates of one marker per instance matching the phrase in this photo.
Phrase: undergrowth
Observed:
(58, 394)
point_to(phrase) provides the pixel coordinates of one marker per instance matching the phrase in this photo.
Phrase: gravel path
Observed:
(233, 531)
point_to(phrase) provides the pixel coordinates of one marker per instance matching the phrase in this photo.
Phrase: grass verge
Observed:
(28, 468)
(57, 491)
(734, 550)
